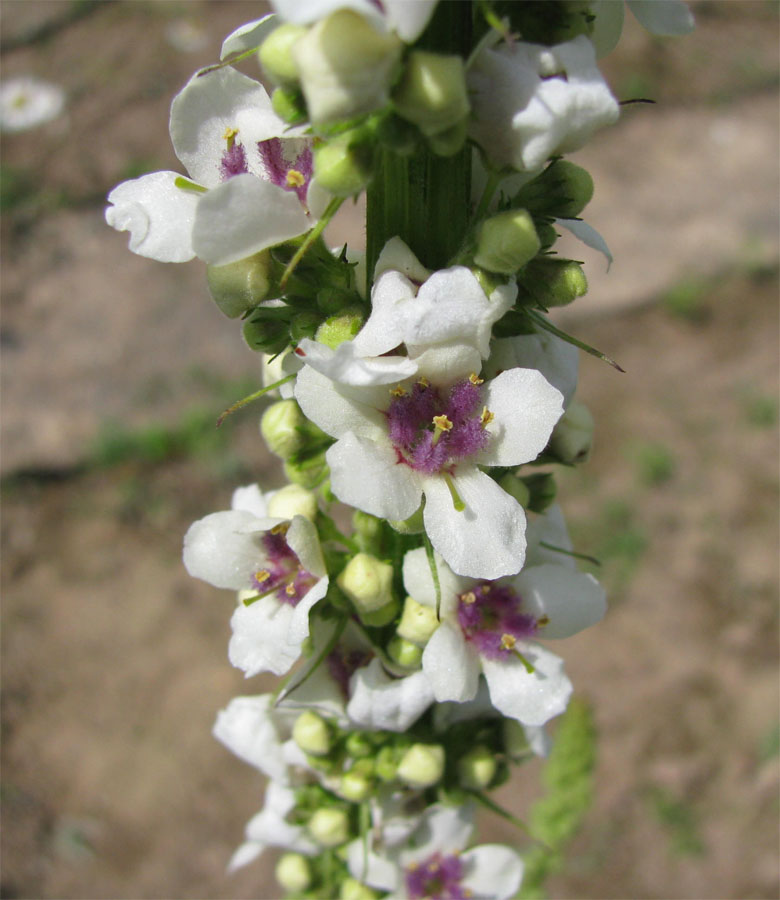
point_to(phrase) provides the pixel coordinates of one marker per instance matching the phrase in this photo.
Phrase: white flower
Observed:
(491, 627)
(27, 103)
(278, 563)
(379, 702)
(433, 862)
(407, 18)
(251, 182)
(530, 101)
(662, 17)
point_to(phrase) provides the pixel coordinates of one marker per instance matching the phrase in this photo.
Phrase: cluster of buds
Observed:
(417, 388)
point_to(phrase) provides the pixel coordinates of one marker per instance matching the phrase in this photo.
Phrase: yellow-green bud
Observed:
(413, 525)
(576, 187)
(340, 328)
(368, 583)
(276, 56)
(422, 765)
(311, 734)
(506, 242)
(343, 167)
(241, 285)
(293, 500)
(289, 105)
(417, 623)
(432, 91)
(309, 473)
(359, 745)
(293, 872)
(345, 66)
(329, 827)
(386, 764)
(352, 889)
(355, 786)
(516, 488)
(572, 438)
(555, 282)
(449, 141)
(477, 768)
(404, 652)
(281, 426)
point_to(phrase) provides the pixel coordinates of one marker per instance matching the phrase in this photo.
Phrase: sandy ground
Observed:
(114, 661)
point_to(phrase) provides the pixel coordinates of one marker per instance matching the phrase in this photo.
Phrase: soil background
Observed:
(114, 369)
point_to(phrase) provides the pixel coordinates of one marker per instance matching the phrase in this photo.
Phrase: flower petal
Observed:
(450, 666)
(571, 600)
(248, 35)
(250, 499)
(337, 409)
(442, 829)
(663, 17)
(382, 703)
(492, 870)
(347, 365)
(298, 629)
(223, 548)
(247, 728)
(418, 581)
(531, 698)
(261, 638)
(588, 235)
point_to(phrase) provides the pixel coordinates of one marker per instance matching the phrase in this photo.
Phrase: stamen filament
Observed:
(457, 502)
(528, 667)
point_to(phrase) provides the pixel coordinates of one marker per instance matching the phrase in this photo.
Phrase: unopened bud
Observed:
(506, 242)
(386, 764)
(515, 739)
(432, 91)
(358, 745)
(516, 488)
(265, 333)
(308, 473)
(368, 583)
(345, 66)
(554, 282)
(329, 826)
(240, 285)
(281, 428)
(477, 768)
(352, 889)
(422, 765)
(542, 490)
(276, 56)
(342, 166)
(311, 734)
(417, 623)
(340, 328)
(355, 786)
(293, 872)
(574, 185)
(293, 500)
(572, 438)
(404, 652)
(304, 324)
(367, 531)
(289, 105)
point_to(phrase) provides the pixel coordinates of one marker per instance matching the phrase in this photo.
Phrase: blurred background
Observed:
(114, 369)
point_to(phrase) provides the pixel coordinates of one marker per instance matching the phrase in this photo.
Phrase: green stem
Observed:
(434, 573)
(251, 397)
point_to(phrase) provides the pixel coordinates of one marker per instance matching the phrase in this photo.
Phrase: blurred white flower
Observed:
(26, 103)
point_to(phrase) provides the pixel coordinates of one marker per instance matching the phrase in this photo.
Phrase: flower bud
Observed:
(308, 473)
(345, 66)
(293, 500)
(553, 282)
(368, 583)
(289, 105)
(311, 734)
(542, 490)
(574, 187)
(352, 889)
(506, 242)
(293, 872)
(422, 765)
(477, 768)
(329, 826)
(417, 623)
(343, 166)
(304, 324)
(340, 328)
(386, 764)
(516, 488)
(267, 333)
(413, 525)
(368, 531)
(275, 54)
(281, 428)
(241, 285)
(355, 786)
(432, 91)
(359, 745)
(448, 142)
(404, 652)
(332, 300)
(572, 438)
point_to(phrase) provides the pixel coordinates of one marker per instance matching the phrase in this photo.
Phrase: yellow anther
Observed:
(230, 136)
(508, 641)
(543, 620)
(442, 424)
(290, 589)
(295, 178)
(413, 867)
(398, 391)
(262, 575)
(487, 417)
(469, 597)
(281, 528)
(475, 379)
(423, 381)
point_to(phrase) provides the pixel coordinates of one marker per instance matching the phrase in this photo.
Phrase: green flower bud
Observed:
(342, 166)
(289, 105)
(293, 500)
(417, 623)
(332, 300)
(554, 282)
(386, 764)
(304, 324)
(358, 745)
(241, 285)
(368, 531)
(329, 826)
(448, 142)
(547, 234)
(340, 328)
(422, 765)
(281, 428)
(572, 438)
(345, 66)
(293, 872)
(477, 768)
(355, 786)
(308, 473)
(562, 190)
(404, 652)
(432, 92)
(312, 734)
(267, 330)
(368, 583)
(542, 490)
(413, 525)
(352, 889)
(275, 54)
(516, 488)
(506, 242)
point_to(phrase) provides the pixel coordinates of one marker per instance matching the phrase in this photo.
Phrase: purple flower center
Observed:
(283, 575)
(233, 161)
(431, 432)
(438, 878)
(343, 663)
(292, 174)
(490, 617)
